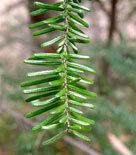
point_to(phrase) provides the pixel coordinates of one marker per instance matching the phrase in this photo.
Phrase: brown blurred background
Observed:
(113, 54)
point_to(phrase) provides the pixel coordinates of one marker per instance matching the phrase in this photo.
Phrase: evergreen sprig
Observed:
(67, 88)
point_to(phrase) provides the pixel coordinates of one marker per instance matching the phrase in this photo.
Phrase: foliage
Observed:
(66, 89)
(121, 59)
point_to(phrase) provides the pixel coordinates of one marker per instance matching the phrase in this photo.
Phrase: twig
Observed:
(80, 146)
(15, 5)
(17, 116)
(118, 145)
(103, 7)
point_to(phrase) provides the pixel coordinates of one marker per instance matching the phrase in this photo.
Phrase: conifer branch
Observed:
(66, 89)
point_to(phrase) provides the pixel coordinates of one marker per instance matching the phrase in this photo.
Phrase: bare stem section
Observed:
(65, 62)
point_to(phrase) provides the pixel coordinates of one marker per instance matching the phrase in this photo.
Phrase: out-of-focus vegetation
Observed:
(114, 59)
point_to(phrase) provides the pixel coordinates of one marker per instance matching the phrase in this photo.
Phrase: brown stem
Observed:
(104, 64)
(113, 17)
(65, 63)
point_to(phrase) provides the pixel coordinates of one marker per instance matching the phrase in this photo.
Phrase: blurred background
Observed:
(113, 54)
